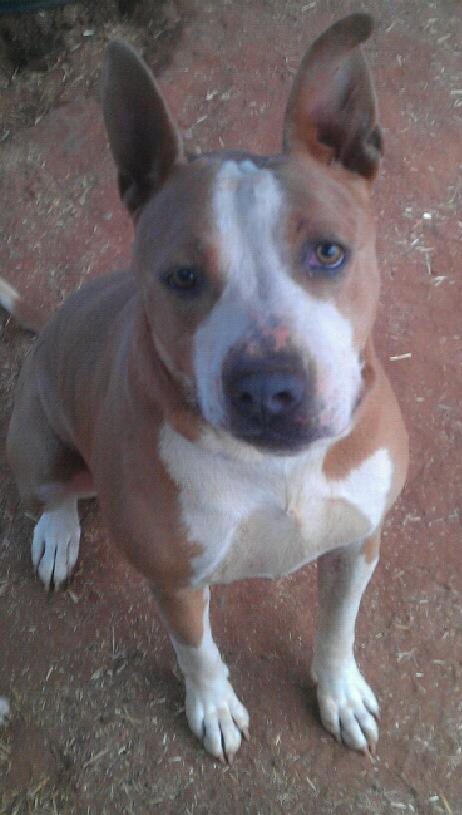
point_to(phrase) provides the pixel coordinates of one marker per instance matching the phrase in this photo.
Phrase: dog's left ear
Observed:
(144, 140)
(331, 112)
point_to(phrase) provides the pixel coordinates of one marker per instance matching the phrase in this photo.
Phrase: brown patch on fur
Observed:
(377, 423)
(183, 614)
(357, 298)
(281, 336)
(371, 547)
(329, 203)
(141, 509)
(175, 230)
(142, 512)
(141, 505)
(211, 260)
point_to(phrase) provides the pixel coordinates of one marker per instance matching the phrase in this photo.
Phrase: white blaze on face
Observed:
(249, 211)
(246, 207)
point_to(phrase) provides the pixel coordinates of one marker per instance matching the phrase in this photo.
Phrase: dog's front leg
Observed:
(215, 714)
(347, 705)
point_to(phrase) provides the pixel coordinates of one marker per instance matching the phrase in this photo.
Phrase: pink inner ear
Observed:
(331, 111)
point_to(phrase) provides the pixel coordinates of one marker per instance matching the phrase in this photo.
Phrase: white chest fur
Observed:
(255, 514)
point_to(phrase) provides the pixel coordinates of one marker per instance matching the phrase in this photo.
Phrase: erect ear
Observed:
(331, 112)
(143, 138)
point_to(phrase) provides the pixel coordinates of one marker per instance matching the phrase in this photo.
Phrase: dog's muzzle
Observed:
(269, 400)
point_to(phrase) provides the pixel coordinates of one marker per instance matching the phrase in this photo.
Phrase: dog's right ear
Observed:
(144, 140)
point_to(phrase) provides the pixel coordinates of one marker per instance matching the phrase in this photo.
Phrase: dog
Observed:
(223, 398)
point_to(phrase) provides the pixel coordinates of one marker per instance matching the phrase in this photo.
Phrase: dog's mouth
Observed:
(284, 441)
(291, 419)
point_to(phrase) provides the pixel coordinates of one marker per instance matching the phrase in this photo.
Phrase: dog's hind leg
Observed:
(50, 478)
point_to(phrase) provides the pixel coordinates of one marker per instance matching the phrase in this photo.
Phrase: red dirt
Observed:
(97, 715)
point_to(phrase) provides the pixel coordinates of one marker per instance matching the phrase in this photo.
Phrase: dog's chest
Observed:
(265, 516)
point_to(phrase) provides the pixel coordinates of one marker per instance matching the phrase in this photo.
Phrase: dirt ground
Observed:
(97, 721)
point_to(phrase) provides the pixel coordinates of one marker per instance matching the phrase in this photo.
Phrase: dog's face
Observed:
(260, 285)
(258, 274)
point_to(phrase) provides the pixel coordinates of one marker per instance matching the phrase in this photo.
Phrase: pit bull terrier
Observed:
(223, 397)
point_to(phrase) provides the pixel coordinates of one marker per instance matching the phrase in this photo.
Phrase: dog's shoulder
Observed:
(378, 431)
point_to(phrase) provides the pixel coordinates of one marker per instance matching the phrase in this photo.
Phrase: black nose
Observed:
(269, 399)
(265, 395)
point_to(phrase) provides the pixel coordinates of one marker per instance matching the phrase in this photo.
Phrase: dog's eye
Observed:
(330, 254)
(185, 279)
(324, 257)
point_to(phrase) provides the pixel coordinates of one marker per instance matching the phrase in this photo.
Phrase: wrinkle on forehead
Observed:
(247, 207)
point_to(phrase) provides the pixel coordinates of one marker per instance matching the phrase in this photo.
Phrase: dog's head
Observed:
(258, 274)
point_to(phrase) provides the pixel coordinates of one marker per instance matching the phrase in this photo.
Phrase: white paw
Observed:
(5, 710)
(217, 717)
(55, 546)
(347, 705)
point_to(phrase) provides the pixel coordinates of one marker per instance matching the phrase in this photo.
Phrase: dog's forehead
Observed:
(263, 214)
(235, 209)
(325, 201)
(321, 192)
(248, 214)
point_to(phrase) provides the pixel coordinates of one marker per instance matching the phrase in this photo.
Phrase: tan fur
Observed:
(371, 547)
(183, 613)
(109, 399)
(339, 204)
